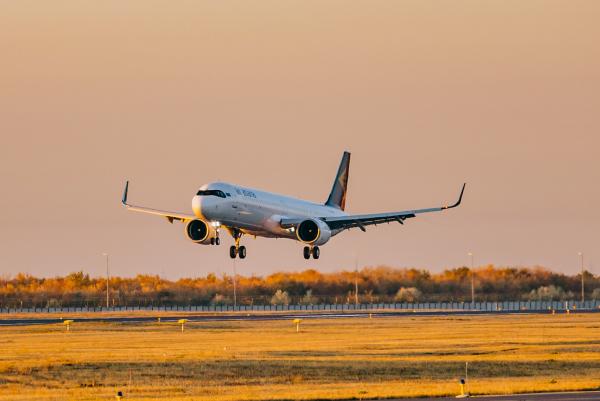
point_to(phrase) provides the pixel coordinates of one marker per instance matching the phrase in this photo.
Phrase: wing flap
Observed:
(363, 220)
(170, 216)
(360, 221)
(164, 213)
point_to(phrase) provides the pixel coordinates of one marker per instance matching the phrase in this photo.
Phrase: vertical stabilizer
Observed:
(337, 197)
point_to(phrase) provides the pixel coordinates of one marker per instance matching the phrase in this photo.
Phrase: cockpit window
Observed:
(211, 192)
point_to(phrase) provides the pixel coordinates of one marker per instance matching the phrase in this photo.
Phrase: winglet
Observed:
(124, 200)
(459, 198)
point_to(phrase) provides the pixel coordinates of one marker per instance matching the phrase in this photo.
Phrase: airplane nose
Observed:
(197, 206)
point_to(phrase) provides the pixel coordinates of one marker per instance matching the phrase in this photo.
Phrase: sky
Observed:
(503, 95)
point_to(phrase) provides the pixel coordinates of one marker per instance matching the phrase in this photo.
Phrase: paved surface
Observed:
(574, 396)
(6, 320)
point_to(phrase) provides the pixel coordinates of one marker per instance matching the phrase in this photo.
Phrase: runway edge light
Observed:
(182, 322)
(297, 323)
(67, 324)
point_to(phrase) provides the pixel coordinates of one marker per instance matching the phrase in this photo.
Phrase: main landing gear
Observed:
(237, 250)
(312, 250)
(240, 251)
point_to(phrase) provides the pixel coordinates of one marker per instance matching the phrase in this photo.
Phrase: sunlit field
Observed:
(327, 359)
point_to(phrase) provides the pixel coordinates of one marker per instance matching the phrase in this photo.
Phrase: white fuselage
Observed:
(256, 212)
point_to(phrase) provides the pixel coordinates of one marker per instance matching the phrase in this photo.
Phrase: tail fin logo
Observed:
(337, 197)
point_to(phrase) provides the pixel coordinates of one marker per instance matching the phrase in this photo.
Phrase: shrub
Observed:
(410, 294)
(280, 298)
(219, 299)
(308, 298)
(548, 293)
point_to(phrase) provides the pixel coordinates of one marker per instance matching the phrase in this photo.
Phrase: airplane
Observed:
(245, 211)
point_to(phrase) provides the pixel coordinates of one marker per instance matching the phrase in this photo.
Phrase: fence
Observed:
(507, 306)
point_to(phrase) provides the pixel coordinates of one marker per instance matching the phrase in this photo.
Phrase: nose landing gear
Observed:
(311, 250)
(215, 241)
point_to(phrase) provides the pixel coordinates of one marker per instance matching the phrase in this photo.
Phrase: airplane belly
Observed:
(250, 215)
(247, 218)
(258, 220)
(255, 218)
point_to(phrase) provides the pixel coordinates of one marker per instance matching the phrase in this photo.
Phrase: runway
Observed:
(570, 396)
(267, 316)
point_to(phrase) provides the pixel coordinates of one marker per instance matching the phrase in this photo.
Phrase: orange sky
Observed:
(426, 94)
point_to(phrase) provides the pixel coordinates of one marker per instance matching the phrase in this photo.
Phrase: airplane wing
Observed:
(363, 220)
(170, 216)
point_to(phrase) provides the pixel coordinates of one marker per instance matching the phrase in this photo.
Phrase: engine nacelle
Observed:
(200, 232)
(313, 232)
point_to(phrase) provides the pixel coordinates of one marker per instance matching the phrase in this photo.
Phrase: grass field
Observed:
(328, 359)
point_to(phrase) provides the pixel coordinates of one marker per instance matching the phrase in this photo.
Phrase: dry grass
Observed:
(328, 359)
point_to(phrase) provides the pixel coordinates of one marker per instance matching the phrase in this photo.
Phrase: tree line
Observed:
(374, 285)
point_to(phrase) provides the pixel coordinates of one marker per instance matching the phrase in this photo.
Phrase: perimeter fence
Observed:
(507, 306)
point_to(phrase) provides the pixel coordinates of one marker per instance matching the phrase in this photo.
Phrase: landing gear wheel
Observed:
(242, 252)
(212, 241)
(217, 241)
(306, 252)
(316, 252)
(232, 252)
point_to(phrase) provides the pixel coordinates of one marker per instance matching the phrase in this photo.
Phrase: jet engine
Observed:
(200, 232)
(313, 232)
